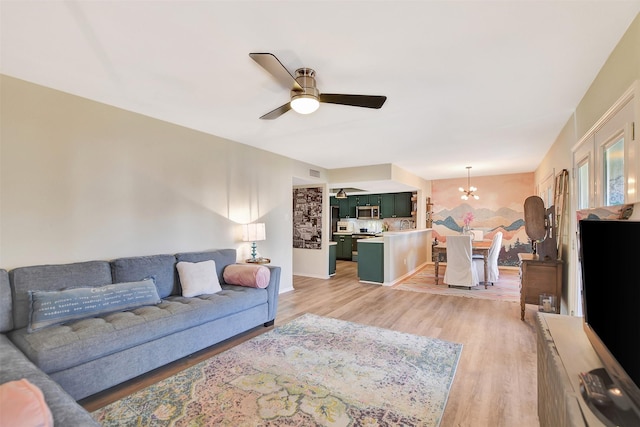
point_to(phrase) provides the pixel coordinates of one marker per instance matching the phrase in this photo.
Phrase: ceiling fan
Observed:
(305, 97)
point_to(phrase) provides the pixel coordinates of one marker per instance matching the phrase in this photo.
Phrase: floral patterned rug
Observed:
(507, 288)
(312, 371)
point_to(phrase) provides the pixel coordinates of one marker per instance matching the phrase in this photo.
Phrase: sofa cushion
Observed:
(254, 276)
(222, 257)
(198, 278)
(55, 307)
(6, 312)
(53, 278)
(22, 404)
(71, 344)
(160, 267)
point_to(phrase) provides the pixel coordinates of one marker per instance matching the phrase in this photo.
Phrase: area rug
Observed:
(312, 371)
(507, 288)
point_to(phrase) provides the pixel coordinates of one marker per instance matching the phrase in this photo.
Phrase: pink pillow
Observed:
(252, 276)
(23, 404)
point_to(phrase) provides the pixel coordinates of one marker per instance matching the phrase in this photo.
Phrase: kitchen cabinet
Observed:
(352, 202)
(368, 200)
(395, 205)
(333, 247)
(343, 247)
(402, 204)
(392, 205)
(371, 262)
(387, 205)
(343, 208)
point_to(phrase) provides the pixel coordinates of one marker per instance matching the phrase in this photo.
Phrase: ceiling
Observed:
(488, 84)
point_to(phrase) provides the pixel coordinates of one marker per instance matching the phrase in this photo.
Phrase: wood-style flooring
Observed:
(495, 384)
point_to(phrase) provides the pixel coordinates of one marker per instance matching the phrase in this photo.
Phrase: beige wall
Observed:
(619, 72)
(81, 180)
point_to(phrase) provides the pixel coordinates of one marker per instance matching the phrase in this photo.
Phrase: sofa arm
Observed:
(273, 290)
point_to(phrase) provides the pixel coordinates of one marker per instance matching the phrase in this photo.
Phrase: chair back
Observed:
(493, 273)
(460, 270)
(496, 245)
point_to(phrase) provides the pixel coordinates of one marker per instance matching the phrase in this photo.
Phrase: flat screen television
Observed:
(610, 263)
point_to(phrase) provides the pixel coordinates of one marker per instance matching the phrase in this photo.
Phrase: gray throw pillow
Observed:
(49, 308)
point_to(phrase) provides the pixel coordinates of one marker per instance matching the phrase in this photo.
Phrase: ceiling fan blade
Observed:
(277, 112)
(269, 62)
(368, 101)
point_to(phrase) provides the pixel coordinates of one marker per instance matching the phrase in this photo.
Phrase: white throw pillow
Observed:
(198, 278)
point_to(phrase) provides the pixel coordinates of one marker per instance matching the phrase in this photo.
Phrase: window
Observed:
(613, 168)
(583, 185)
(606, 167)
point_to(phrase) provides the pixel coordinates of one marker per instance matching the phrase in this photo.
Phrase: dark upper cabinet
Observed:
(395, 205)
(352, 202)
(403, 204)
(368, 200)
(392, 205)
(362, 200)
(374, 199)
(343, 205)
(387, 206)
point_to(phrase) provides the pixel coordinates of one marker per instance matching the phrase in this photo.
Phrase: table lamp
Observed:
(253, 233)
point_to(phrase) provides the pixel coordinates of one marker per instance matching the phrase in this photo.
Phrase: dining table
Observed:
(478, 247)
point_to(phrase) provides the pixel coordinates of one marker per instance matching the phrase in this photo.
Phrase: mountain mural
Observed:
(505, 220)
(499, 209)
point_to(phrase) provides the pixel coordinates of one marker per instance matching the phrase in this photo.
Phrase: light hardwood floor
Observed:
(495, 384)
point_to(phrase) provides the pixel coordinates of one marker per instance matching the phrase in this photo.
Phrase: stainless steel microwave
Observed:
(368, 212)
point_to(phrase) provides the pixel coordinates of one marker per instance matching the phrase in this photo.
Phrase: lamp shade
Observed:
(253, 232)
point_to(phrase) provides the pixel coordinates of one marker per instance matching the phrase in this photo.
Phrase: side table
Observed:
(257, 261)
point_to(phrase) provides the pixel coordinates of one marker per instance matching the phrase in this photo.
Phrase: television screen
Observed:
(610, 262)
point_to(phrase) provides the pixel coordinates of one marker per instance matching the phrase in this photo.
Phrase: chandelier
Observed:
(469, 192)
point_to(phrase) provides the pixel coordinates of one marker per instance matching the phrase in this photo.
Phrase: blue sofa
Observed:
(86, 356)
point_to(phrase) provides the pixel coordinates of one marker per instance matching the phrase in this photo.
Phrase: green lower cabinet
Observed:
(332, 259)
(343, 248)
(371, 262)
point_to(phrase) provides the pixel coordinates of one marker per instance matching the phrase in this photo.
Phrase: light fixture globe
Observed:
(304, 103)
(471, 189)
(307, 100)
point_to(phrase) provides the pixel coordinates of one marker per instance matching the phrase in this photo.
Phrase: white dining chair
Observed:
(460, 270)
(492, 260)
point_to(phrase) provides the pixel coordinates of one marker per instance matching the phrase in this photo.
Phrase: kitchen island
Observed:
(393, 255)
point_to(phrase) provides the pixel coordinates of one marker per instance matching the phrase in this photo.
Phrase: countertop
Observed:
(379, 239)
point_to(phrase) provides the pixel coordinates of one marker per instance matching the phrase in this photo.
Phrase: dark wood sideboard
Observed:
(537, 277)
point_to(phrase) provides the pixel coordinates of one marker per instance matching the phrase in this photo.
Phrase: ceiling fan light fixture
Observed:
(304, 103)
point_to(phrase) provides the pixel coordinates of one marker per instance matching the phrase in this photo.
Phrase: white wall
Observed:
(80, 180)
(618, 73)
